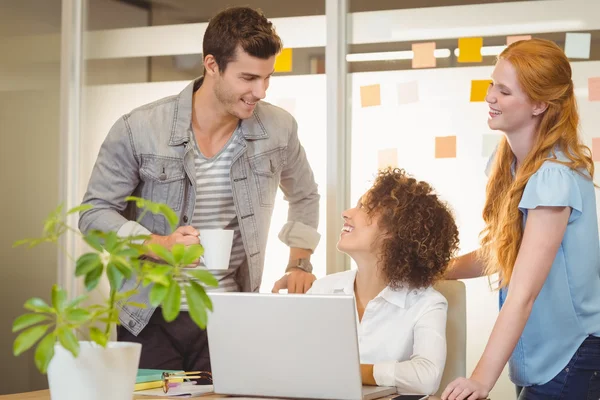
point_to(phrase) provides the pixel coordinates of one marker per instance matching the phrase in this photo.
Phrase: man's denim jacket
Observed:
(148, 153)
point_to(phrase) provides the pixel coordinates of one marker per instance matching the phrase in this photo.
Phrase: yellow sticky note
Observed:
(283, 62)
(445, 147)
(596, 149)
(469, 49)
(594, 88)
(423, 55)
(387, 158)
(370, 95)
(479, 89)
(511, 39)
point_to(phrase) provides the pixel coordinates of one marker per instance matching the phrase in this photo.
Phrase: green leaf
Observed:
(93, 278)
(111, 241)
(78, 315)
(158, 294)
(86, 263)
(178, 250)
(162, 252)
(94, 240)
(26, 320)
(21, 242)
(172, 302)
(203, 276)
(44, 352)
(59, 298)
(68, 340)
(121, 264)
(75, 302)
(205, 298)
(28, 338)
(114, 276)
(135, 304)
(197, 309)
(98, 336)
(192, 254)
(83, 207)
(170, 215)
(38, 305)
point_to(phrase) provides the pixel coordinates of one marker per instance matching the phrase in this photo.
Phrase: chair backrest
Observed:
(456, 331)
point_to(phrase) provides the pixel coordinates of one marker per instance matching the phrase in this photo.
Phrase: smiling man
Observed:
(216, 154)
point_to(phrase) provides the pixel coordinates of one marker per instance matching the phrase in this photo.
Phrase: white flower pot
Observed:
(96, 374)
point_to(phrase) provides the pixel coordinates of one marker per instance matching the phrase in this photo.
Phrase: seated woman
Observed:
(401, 237)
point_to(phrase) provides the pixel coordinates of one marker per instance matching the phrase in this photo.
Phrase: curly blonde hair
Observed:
(419, 234)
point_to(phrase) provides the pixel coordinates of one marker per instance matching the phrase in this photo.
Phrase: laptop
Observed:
(290, 346)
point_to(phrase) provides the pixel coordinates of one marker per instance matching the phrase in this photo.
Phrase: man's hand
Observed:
(295, 281)
(185, 235)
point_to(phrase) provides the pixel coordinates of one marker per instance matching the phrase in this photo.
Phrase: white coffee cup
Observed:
(217, 247)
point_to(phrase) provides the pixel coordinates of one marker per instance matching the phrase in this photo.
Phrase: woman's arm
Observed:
(543, 235)
(422, 373)
(465, 267)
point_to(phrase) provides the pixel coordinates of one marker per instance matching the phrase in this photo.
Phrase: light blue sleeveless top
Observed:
(567, 310)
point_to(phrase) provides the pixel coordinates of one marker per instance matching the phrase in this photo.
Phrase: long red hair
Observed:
(544, 74)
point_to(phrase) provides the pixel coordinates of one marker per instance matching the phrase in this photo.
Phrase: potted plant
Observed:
(72, 336)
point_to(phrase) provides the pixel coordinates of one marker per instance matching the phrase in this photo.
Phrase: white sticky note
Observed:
(408, 92)
(577, 45)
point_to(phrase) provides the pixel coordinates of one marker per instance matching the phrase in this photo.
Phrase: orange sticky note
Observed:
(594, 88)
(511, 39)
(596, 149)
(387, 158)
(423, 55)
(479, 89)
(445, 147)
(283, 62)
(370, 95)
(470, 49)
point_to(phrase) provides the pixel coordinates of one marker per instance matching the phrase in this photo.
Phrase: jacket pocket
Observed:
(266, 168)
(164, 180)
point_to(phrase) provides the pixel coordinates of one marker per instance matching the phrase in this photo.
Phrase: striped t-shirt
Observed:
(215, 210)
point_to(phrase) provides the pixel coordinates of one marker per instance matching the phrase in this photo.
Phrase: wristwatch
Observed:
(301, 263)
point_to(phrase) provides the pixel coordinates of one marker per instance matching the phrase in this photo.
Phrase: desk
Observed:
(45, 395)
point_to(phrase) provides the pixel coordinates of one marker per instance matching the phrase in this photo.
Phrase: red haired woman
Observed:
(540, 236)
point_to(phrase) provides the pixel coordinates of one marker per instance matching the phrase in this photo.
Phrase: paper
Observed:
(423, 55)
(185, 390)
(577, 45)
(387, 158)
(370, 95)
(408, 92)
(479, 89)
(283, 62)
(511, 39)
(469, 50)
(594, 88)
(445, 147)
(489, 144)
(596, 149)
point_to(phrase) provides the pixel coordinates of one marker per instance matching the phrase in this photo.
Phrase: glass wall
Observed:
(29, 167)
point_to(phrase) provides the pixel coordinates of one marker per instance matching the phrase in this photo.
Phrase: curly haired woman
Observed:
(541, 235)
(401, 237)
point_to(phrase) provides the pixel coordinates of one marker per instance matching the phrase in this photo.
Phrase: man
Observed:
(216, 155)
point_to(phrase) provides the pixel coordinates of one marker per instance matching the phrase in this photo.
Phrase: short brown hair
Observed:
(240, 26)
(419, 233)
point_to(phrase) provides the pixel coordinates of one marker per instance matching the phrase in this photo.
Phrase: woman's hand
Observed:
(463, 388)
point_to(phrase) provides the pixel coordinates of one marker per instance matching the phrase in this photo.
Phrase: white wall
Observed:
(444, 109)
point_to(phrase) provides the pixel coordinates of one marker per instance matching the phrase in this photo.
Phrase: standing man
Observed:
(216, 155)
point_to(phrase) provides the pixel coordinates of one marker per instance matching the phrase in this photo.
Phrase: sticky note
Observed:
(470, 49)
(387, 158)
(283, 62)
(423, 55)
(490, 141)
(479, 89)
(596, 149)
(370, 95)
(445, 147)
(511, 39)
(577, 45)
(594, 88)
(408, 92)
